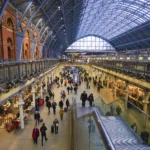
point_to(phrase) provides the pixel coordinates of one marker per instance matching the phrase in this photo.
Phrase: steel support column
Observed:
(41, 49)
(33, 45)
(3, 7)
(19, 43)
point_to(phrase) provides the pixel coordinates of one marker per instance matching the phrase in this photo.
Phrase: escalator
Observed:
(94, 131)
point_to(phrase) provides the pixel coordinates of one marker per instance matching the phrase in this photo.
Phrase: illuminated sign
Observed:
(140, 58)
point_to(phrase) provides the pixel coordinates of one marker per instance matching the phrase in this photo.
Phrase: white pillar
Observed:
(21, 110)
(145, 101)
(102, 81)
(41, 85)
(108, 82)
(33, 94)
(115, 89)
(46, 83)
(126, 95)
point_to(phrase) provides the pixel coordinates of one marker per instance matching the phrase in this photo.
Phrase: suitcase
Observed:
(41, 102)
(65, 109)
(41, 120)
(52, 128)
(9, 127)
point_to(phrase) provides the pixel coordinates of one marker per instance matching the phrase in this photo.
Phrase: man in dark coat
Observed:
(43, 132)
(61, 104)
(48, 104)
(68, 89)
(83, 98)
(91, 99)
(54, 104)
(37, 117)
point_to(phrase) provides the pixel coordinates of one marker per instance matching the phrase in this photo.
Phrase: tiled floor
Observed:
(22, 139)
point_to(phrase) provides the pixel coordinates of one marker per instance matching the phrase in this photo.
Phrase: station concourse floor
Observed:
(22, 139)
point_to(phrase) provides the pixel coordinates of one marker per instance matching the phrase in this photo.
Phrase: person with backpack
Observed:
(91, 99)
(48, 104)
(56, 125)
(67, 103)
(83, 98)
(35, 134)
(61, 104)
(54, 104)
(37, 117)
(43, 132)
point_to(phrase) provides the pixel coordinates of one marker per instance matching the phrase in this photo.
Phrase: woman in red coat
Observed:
(35, 134)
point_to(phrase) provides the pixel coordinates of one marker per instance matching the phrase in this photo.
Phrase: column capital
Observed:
(21, 103)
(33, 91)
(145, 102)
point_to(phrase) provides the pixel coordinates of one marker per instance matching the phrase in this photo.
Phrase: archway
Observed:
(10, 49)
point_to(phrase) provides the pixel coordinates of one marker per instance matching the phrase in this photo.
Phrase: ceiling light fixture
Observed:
(58, 7)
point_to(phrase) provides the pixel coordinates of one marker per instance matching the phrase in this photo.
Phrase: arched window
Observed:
(90, 43)
(36, 55)
(10, 48)
(10, 23)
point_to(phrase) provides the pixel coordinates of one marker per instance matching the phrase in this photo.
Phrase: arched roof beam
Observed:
(3, 7)
(31, 17)
(50, 22)
(24, 3)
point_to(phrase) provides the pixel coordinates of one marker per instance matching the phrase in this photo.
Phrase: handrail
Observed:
(136, 107)
(128, 102)
(105, 132)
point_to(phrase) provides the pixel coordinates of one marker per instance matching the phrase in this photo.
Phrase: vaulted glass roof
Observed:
(110, 18)
(62, 22)
(90, 43)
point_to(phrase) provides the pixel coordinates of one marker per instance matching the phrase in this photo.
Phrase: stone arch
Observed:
(36, 54)
(10, 23)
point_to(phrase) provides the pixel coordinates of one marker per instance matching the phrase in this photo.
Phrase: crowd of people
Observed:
(65, 79)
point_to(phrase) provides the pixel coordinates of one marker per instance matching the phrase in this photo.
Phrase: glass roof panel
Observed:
(112, 17)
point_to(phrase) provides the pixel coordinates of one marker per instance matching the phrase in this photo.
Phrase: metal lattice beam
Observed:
(3, 7)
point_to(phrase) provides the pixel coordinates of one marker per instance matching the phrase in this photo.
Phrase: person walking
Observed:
(48, 104)
(71, 88)
(61, 104)
(35, 134)
(83, 98)
(112, 109)
(118, 110)
(56, 125)
(54, 104)
(67, 103)
(91, 99)
(134, 127)
(37, 117)
(61, 112)
(75, 90)
(43, 132)
(61, 81)
(68, 89)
